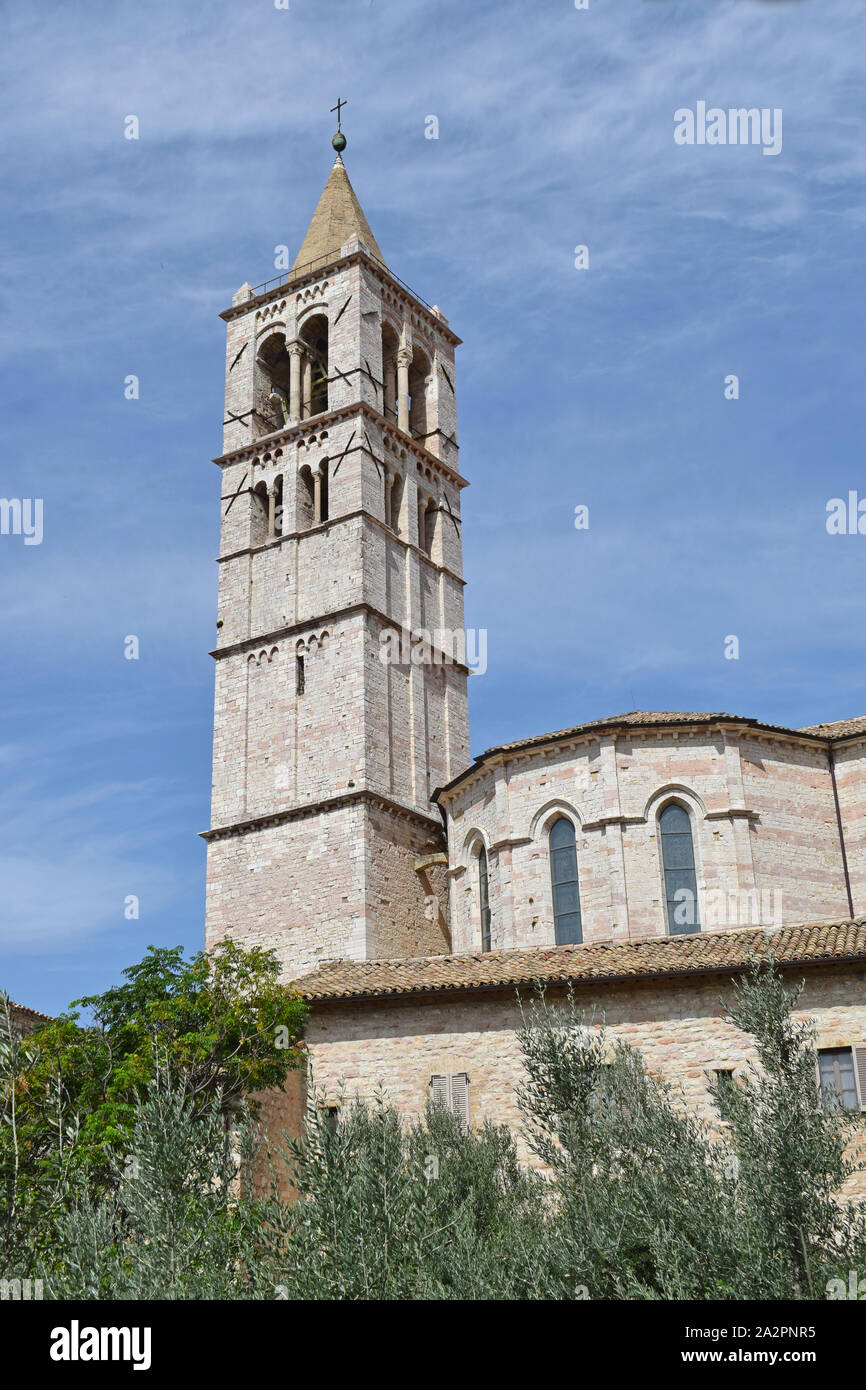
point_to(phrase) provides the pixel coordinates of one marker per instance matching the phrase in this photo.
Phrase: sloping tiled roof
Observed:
(33, 1013)
(27, 1019)
(639, 717)
(338, 216)
(702, 953)
(648, 719)
(840, 728)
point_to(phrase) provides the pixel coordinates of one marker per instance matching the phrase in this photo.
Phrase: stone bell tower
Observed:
(339, 703)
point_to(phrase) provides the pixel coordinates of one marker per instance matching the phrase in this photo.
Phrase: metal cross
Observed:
(336, 108)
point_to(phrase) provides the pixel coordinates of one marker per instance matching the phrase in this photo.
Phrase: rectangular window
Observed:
(332, 1118)
(300, 678)
(453, 1093)
(842, 1077)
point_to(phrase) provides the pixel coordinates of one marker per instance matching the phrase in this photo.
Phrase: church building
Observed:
(409, 889)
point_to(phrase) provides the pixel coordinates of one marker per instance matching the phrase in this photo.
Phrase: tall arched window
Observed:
(563, 876)
(484, 899)
(678, 861)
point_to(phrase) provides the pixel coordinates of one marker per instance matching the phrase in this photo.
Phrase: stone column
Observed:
(294, 383)
(272, 512)
(423, 504)
(389, 387)
(389, 485)
(308, 389)
(404, 360)
(317, 495)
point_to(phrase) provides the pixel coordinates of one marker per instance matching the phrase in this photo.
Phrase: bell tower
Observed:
(340, 698)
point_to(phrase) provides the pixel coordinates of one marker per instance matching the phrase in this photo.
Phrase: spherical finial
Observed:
(339, 142)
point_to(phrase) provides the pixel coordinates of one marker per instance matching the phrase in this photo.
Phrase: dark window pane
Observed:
(561, 833)
(675, 818)
(678, 852)
(566, 898)
(677, 880)
(678, 862)
(568, 929)
(564, 865)
(564, 880)
(484, 898)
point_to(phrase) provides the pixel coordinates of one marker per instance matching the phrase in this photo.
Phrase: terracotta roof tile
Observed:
(701, 953)
(840, 728)
(637, 717)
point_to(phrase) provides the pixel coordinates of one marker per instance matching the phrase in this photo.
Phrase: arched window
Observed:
(306, 500)
(678, 862)
(272, 376)
(259, 519)
(323, 492)
(390, 346)
(314, 336)
(563, 876)
(484, 899)
(419, 374)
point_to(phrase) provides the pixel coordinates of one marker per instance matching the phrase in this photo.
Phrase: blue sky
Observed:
(601, 387)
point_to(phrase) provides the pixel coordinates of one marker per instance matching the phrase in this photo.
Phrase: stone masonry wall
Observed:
(678, 1026)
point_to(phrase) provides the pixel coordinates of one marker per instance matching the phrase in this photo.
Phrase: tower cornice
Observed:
(334, 615)
(314, 808)
(306, 277)
(336, 521)
(315, 423)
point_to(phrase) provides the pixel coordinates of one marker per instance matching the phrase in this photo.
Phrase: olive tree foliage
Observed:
(219, 1025)
(629, 1194)
(428, 1210)
(173, 1224)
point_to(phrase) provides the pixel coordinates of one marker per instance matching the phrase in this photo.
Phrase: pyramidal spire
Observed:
(338, 216)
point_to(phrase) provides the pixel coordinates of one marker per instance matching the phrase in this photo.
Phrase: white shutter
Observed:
(440, 1091)
(453, 1093)
(860, 1073)
(460, 1097)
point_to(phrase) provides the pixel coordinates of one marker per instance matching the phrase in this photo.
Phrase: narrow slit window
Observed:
(300, 675)
(678, 861)
(484, 899)
(567, 923)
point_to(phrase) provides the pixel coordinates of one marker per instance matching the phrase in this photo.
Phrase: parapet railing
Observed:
(298, 271)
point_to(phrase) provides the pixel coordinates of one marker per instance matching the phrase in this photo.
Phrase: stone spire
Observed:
(338, 216)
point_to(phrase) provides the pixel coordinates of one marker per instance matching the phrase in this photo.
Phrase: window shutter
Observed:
(439, 1090)
(860, 1073)
(453, 1093)
(460, 1097)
